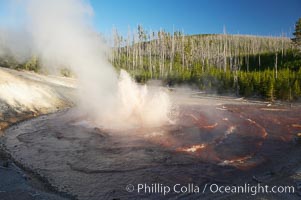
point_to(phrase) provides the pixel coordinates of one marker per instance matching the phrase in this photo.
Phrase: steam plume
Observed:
(63, 35)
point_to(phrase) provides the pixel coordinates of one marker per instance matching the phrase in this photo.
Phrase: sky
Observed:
(258, 17)
(255, 17)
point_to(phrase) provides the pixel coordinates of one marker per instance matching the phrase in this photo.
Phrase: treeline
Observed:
(260, 84)
(251, 66)
(8, 60)
(267, 67)
(160, 52)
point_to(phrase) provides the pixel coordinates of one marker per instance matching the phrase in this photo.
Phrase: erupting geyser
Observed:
(63, 35)
(141, 106)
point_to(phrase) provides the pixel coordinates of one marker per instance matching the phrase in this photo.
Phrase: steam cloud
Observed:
(62, 34)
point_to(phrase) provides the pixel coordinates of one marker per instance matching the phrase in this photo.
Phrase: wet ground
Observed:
(224, 143)
(25, 95)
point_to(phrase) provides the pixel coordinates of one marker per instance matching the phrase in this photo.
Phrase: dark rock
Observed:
(263, 178)
(298, 185)
(5, 164)
(298, 138)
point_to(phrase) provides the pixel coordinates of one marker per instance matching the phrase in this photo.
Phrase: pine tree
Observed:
(297, 34)
(296, 89)
(270, 95)
(32, 64)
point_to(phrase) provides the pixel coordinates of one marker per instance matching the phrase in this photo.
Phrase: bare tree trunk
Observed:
(183, 50)
(150, 53)
(172, 52)
(225, 56)
(276, 65)
(259, 62)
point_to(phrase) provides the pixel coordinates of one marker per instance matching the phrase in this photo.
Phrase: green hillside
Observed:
(250, 66)
(267, 67)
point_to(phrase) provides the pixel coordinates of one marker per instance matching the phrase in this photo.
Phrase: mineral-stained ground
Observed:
(213, 139)
(224, 143)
